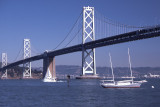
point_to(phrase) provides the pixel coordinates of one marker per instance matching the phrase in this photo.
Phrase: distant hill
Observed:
(76, 70)
(106, 71)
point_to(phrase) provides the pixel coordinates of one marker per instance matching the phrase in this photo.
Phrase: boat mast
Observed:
(130, 64)
(111, 66)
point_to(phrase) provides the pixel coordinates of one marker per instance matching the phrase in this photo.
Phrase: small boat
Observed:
(121, 84)
(49, 78)
(142, 81)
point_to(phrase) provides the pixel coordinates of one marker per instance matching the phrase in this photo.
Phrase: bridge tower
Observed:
(27, 54)
(4, 63)
(88, 55)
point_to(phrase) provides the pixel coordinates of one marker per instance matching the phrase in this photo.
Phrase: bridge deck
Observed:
(126, 37)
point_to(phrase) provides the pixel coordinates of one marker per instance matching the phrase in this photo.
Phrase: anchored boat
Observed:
(121, 84)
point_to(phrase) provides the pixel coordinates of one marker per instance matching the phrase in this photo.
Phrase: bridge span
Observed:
(88, 45)
(127, 37)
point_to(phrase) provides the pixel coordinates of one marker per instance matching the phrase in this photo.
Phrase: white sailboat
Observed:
(49, 78)
(120, 84)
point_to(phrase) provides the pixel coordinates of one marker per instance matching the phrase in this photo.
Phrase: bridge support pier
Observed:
(49, 65)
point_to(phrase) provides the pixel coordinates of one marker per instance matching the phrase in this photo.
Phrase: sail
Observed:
(48, 75)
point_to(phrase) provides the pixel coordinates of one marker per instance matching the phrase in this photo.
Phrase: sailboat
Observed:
(49, 78)
(120, 84)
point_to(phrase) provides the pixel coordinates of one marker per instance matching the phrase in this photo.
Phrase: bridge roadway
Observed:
(121, 38)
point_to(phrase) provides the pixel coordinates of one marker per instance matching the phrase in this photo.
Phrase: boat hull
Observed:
(49, 80)
(134, 85)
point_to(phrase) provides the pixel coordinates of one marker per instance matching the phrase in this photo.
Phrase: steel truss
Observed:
(27, 54)
(4, 63)
(88, 56)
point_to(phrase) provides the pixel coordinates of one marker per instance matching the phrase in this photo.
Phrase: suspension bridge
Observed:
(110, 32)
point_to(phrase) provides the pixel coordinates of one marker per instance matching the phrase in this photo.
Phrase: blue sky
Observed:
(47, 22)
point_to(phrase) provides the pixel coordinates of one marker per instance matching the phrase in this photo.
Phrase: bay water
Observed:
(80, 93)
